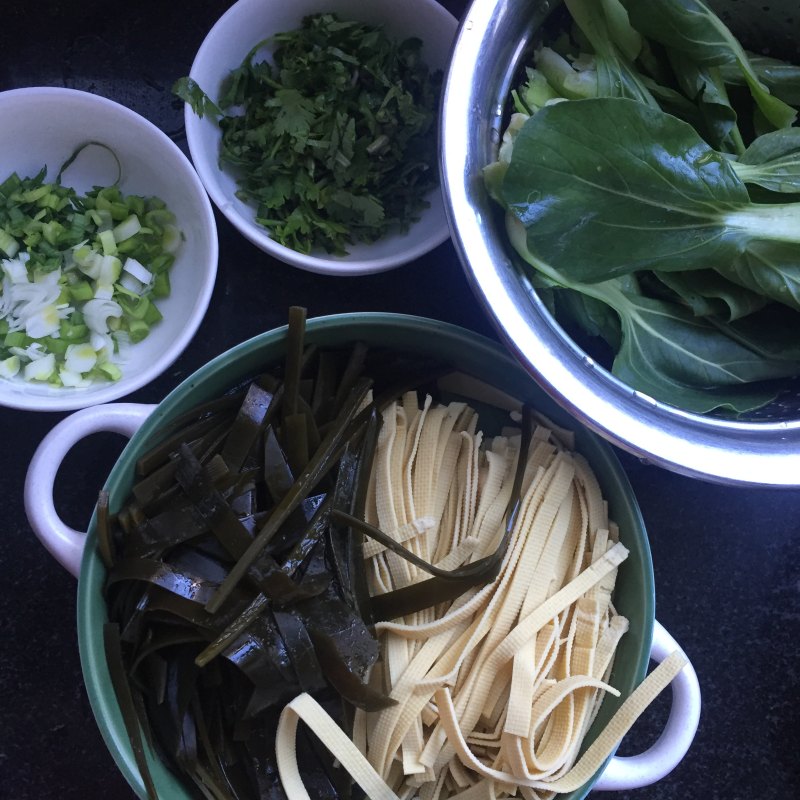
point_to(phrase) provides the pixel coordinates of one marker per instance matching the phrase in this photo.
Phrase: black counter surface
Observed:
(726, 559)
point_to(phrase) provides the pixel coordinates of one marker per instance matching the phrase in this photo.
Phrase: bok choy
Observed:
(667, 222)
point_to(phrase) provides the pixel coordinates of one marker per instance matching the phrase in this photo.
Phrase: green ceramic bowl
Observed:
(466, 351)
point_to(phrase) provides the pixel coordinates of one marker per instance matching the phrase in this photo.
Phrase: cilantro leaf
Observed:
(295, 113)
(190, 92)
(333, 136)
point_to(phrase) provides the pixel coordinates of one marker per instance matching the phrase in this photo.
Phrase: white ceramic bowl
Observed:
(243, 26)
(43, 126)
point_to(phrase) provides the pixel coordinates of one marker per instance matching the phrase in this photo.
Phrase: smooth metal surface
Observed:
(491, 45)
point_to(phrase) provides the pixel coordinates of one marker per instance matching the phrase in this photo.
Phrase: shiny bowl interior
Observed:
(464, 350)
(241, 28)
(493, 43)
(43, 126)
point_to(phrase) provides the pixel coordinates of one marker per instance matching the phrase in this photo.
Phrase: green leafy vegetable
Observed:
(661, 222)
(336, 139)
(781, 77)
(666, 351)
(717, 117)
(616, 76)
(773, 161)
(709, 294)
(691, 27)
(190, 92)
(770, 268)
(609, 202)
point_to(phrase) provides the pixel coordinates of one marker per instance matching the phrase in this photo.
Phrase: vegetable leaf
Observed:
(770, 268)
(645, 212)
(616, 76)
(773, 161)
(781, 77)
(692, 27)
(704, 85)
(607, 186)
(190, 92)
(709, 294)
(295, 114)
(636, 373)
(663, 337)
(665, 351)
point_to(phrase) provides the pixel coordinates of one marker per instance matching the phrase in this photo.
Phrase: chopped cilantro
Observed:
(333, 140)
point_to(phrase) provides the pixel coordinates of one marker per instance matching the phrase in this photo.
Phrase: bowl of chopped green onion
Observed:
(314, 128)
(108, 250)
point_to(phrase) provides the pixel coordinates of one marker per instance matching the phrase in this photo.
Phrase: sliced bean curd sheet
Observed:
(494, 691)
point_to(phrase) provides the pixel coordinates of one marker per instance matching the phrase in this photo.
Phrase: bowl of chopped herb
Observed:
(108, 250)
(314, 128)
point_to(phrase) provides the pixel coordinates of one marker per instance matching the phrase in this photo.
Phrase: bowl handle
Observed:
(63, 542)
(633, 772)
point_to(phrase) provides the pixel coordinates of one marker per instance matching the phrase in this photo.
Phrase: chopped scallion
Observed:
(67, 263)
(127, 228)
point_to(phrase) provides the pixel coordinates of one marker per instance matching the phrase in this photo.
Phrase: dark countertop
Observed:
(726, 559)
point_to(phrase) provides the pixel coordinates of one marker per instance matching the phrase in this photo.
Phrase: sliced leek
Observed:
(77, 271)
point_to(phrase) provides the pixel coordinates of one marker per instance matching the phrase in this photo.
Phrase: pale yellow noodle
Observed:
(496, 690)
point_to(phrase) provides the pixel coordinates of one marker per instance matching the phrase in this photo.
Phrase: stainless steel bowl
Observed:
(492, 44)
